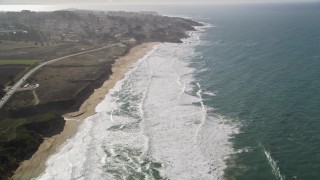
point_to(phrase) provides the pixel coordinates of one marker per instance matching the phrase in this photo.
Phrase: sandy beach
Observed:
(36, 165)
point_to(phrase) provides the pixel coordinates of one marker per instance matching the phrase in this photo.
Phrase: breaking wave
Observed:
(152, 125)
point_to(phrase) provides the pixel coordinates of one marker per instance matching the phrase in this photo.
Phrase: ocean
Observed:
(239, 99)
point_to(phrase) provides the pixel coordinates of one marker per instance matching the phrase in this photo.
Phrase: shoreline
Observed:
(33, 167)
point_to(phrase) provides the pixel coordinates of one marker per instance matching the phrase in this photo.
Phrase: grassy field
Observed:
(6, 72)
(20, 61)
(7, 45)
(21, 99)
(21, 137)
(11, 128)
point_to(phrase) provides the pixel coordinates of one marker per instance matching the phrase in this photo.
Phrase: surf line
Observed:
(204, 115)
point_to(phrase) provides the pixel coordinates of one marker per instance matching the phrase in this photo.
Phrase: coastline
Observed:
(37, 163)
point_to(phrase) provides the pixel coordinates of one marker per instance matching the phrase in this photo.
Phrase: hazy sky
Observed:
(26, 2)
(51, 5)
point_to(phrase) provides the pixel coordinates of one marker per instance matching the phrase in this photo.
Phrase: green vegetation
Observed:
(21, 99)
(19, 61)
(11, 129)
(21, 137)
(9, 72)
(118, 50)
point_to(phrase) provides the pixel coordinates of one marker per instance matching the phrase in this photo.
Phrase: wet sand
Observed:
(36, 165)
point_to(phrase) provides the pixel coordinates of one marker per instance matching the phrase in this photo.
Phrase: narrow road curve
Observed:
(21, 81)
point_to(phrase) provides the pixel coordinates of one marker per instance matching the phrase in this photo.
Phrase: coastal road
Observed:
(14, 88)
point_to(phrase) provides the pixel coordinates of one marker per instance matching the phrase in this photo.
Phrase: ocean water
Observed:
(263, 63)
(239, 99)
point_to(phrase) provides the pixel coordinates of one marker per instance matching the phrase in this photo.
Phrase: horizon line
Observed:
(169, 3)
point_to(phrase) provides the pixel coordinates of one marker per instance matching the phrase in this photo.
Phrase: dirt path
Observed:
(35, 97)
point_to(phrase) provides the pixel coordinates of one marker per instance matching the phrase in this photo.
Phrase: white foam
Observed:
(108, 101)
(273, 164)
(180, 136)
(244, 150)
(172, 126)
(209, 93)
(155, 114)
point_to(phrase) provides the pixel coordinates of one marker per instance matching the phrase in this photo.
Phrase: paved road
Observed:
(21, 81)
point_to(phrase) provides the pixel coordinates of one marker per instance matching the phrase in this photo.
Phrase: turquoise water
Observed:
(263, 63)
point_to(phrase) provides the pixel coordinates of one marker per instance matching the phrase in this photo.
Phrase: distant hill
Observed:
(91, 26)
